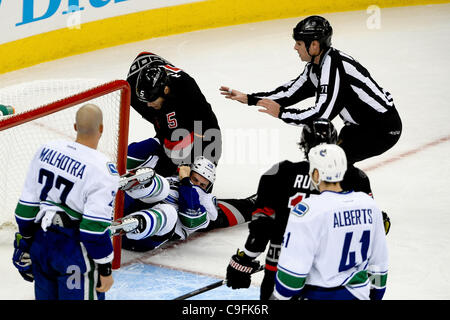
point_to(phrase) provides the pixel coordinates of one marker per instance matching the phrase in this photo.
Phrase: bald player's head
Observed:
(89, 124)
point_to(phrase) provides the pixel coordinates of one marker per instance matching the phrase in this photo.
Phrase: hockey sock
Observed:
(154, 221)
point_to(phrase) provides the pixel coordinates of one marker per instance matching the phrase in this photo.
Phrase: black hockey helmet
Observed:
(314, 28)
(151, 82)
(318, 131)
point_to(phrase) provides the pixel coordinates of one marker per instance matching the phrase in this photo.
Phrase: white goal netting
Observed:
(19, 143)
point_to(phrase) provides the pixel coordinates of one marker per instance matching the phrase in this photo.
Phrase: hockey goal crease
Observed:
(45, 111)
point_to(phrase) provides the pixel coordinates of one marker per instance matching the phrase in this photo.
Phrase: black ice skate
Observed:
(136, 179)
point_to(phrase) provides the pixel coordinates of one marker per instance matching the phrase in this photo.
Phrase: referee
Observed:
(341, 86)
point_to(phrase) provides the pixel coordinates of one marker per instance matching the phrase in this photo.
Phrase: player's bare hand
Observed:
(233, 94)
(184, 171)
(270, 107)
(105, 283)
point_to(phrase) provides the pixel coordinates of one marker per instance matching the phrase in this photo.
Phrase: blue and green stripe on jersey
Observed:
(358, 279)
(133, 163)
(378, 279)
(289, 283)
(26, 210)
(89, 224)
(193, 220)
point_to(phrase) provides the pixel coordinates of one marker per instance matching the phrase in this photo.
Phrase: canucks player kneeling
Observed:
(163, 209)
(334, 245)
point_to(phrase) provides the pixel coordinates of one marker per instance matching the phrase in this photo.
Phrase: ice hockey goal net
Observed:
(45, 111)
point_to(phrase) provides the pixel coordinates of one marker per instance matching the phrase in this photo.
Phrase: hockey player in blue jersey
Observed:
(334, 245)
(172, 208)
(167, 208)
(279, 189)
(64, 214)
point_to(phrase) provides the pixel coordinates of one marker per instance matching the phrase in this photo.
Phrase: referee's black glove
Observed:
(240, 269)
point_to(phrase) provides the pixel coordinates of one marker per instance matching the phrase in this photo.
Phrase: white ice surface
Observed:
(408, 56)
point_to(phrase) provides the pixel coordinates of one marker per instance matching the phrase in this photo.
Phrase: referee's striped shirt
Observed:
(341, 86)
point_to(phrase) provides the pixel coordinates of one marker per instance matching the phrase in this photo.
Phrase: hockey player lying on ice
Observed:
(160, 209)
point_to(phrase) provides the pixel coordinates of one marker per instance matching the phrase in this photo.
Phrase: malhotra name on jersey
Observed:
(62, 162)
(352, 217)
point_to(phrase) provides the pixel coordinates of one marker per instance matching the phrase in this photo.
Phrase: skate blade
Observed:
(124, 226)
(141, 176)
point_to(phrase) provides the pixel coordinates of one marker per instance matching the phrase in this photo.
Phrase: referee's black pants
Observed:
(361, 142)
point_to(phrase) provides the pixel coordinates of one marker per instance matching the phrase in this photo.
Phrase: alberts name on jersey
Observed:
(352, 217)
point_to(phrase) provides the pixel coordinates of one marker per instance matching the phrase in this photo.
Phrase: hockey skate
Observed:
(136, 179)
(133, 223)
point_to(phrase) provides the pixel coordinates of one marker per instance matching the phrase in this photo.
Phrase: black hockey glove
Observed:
(386, 222)
(21, 257)
(240, 269)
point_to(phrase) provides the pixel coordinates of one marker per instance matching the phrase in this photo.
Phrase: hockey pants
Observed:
(61, 268)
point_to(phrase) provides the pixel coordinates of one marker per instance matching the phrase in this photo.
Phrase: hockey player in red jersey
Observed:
(185, 124)
(334, 245)
(280, 189)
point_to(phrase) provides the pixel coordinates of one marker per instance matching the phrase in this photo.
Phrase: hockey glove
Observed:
(240, 269)
(386, 222)
(21, 257)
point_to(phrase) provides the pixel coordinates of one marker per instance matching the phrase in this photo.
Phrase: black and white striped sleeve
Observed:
(325, 106)
(290, 93)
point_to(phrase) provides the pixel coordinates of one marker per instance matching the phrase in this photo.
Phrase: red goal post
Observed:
(28, 116)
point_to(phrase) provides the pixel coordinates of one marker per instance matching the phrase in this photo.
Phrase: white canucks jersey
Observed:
(190, 220)
(333, 240)
(71, 177)
(194, 212)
